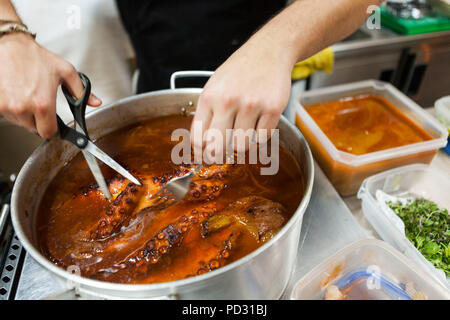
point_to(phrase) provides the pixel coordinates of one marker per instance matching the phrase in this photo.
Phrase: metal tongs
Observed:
(83, 142)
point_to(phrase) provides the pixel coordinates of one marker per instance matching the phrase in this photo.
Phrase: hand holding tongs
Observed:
(82, 141)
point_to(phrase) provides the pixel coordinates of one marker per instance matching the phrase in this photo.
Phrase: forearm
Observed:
(308, 26)
(7, 11)
(30, 79)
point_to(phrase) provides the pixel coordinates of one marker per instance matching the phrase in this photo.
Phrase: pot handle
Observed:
(188, 74)
(4, 214)
(5, 203)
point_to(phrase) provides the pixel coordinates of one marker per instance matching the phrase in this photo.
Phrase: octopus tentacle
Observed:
(221, 257)
(119, 212)
(205, 190)
(210, 182)
(169, 237)
(207, 186)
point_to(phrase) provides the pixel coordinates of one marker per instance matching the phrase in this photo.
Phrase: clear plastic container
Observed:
(413, 181)
(369, 269)
(442, 107)
(346, 171)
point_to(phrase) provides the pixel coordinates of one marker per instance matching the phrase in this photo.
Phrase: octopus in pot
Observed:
(229, 211)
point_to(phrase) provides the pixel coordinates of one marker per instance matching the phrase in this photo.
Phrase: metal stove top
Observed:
(11, 252)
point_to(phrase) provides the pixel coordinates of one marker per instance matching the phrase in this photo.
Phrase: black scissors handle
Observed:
(78, 109)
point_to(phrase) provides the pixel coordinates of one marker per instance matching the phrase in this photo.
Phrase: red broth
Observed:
(71, 207)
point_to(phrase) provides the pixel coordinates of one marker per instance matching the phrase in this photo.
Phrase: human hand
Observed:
(29, 78)
(249, 91)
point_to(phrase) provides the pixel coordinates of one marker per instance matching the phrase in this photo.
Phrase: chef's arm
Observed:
(29, 78)
(251, 89)
(7, 11)
(308, 26)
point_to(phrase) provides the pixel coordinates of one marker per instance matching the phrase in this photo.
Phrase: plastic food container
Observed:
(346, 171)
(369, 269)
(416, 181)
(442, 107)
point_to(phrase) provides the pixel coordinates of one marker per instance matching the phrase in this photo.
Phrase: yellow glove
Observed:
(322, 60)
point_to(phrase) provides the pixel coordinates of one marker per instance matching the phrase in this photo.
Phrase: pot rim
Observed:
(43, 261)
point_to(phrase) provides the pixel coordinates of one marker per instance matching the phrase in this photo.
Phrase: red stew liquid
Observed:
(230, 211)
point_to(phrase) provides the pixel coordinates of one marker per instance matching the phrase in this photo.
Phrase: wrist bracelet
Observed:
(14, 27)
(2, 21)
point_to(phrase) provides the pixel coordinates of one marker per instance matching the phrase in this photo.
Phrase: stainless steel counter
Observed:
(367, 40)
(328, 226)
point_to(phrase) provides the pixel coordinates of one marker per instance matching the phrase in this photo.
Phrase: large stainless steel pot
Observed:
(263, 274)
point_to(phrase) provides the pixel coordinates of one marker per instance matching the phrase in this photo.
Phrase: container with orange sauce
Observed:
(359, 129)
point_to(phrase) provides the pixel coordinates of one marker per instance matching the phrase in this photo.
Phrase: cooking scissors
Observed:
(83, 142)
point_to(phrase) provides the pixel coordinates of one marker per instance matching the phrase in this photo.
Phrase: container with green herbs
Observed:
(408, 208)
(428, 227)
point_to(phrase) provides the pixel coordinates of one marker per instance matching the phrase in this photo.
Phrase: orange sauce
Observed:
(365, 124)
(146, 148)
(368, 125)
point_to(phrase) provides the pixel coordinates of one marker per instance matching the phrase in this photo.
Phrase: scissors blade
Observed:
(99, 154)
(95, 169)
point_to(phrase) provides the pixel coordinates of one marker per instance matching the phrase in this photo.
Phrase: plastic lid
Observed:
(364, 284)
